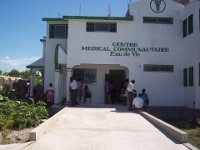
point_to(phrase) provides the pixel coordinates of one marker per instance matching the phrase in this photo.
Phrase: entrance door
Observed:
(116, 79)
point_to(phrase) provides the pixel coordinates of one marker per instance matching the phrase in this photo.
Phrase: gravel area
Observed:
(20, 136)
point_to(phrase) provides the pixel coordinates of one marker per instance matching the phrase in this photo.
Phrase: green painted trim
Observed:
(56, 57)
(129, 18)
(99, 18)
(52, 19)
(42, 40)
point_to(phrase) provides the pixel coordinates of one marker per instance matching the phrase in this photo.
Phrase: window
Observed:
(158, 68)
(188, 77)
(101, 27)
(58, 31)
(191, 79)
(158, 20)
(188, 26)
(90, 27)
(185, 76)
(87, 76)
(185, 28)
(199, 74)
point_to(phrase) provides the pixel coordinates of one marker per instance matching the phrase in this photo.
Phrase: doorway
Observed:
(116, 79)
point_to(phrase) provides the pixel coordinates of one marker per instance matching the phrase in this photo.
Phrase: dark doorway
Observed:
(116, 79)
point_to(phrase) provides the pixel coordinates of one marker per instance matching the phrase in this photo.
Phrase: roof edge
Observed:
(127, 18)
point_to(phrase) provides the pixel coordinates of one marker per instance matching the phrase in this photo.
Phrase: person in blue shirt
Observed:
(145, 98)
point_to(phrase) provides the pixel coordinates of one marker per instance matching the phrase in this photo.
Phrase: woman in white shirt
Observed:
(130, 90)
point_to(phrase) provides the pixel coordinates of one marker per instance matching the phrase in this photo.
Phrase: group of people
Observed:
(128, 94)
(76, 90)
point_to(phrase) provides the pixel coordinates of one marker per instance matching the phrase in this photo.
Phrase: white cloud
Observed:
(8, 63)
(7, 57)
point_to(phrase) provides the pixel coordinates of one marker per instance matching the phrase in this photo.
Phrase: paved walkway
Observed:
(103, 129)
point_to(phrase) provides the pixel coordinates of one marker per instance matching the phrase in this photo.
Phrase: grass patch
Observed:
(192, 127)
(193, 136)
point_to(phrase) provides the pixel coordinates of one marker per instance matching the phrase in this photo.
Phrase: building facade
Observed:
(156, 44)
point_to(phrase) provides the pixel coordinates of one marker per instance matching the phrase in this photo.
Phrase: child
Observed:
(87, 93)
(50, 95)
(145, 98)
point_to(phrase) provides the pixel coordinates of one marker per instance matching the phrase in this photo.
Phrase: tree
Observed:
(25, 74)
(14, 73)
(1, 72)
(38, 78)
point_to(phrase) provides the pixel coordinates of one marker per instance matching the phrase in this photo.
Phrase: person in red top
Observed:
(50, 95)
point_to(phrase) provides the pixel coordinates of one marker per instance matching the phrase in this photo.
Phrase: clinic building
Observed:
(157, 44)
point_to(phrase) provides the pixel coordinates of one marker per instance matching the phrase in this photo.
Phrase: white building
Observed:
(156, 44)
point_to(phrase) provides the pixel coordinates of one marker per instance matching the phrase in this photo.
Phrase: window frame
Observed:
(185, 77)
(191, 76)
(83, 75)
(185, 28)
(199, 19)
(158, 20)
(54, 34)
(109, 27)
(158, 68)
(190, 24)
(199, 74)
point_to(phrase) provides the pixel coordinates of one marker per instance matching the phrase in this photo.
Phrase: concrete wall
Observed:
(49, 56)
(191, 50)
(164, 88)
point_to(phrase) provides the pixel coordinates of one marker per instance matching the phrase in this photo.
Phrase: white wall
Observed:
(191, 47)
(49, 56)
(162, 87)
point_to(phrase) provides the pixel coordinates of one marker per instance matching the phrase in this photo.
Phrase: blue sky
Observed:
(22, 27)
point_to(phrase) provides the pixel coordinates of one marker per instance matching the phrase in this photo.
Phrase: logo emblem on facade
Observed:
(157, 6)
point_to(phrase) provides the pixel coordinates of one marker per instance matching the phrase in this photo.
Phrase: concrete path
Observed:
(103, 129)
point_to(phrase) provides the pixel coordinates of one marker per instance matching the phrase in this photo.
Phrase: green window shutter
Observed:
(90, 27)
(66, 31)
(185, 77)
(191, 76)
(190, 24)
(51, 31)
(199, 74)
(113, 27)
(185, 28)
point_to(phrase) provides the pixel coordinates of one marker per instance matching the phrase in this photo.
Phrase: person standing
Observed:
(107, 91)
(145, 98)
(50, 95)
(79, 90)
(73, 90)
(130, 90)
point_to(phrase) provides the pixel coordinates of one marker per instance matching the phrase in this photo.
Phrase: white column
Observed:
(69, 75)
(56, 87)
(42, 72)
(32, 81)
(65, 83)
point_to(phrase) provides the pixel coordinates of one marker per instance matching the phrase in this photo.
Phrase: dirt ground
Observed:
(20, 136)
